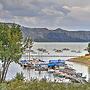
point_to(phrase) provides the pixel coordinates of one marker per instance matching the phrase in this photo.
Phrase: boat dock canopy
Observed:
(23, 61)
(56, 61)
(53, 63)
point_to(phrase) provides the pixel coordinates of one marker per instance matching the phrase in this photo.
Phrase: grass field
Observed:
(42, 85)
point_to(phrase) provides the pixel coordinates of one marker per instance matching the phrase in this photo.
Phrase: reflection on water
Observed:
(14, 68)
(31, 73)
(80, 69)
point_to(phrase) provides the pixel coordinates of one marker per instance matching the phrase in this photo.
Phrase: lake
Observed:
(75, 49)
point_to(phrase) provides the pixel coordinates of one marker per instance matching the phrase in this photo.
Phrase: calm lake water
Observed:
(78, 47)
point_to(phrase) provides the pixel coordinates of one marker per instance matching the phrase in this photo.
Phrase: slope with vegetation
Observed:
(57, 35)
(83, 59)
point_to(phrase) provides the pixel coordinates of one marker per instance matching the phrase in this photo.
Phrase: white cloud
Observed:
(71, 14)
(1, 6)
(80, 13)
(52, 12)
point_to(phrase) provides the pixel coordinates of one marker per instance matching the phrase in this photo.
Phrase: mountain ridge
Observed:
(57, 35)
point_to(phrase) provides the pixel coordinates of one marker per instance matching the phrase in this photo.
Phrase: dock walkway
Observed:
(54, 56)
(77, 79)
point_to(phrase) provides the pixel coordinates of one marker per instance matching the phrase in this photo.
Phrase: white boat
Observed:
(51, 71)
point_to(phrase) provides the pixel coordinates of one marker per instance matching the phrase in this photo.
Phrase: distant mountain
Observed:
(58, 35)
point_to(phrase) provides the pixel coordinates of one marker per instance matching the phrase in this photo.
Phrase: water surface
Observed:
(14, 68)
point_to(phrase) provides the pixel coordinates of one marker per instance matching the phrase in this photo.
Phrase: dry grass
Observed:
(82, 59)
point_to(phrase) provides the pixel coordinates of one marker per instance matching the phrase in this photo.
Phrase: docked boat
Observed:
(73, 50)
(58, 51)
(51, 70)
(65, 49)
(42, 50)
(59, 74)
(41, 69)
(78, 51)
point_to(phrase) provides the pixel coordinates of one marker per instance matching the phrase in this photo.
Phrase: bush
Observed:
(89, 48)
(19, 76)
(3, 86)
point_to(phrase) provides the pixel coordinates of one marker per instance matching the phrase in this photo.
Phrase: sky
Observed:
(52, 14)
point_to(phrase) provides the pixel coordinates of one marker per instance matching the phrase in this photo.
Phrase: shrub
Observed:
(19, 76)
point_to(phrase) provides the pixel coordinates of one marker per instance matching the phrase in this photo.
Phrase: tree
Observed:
(89, 48)
(28, 44)
(10, 47)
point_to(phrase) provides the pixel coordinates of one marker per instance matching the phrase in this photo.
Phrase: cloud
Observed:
(81, 13)
(69, 14)
(1, 6)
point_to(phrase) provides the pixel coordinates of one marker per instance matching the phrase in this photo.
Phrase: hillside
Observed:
(58, 35)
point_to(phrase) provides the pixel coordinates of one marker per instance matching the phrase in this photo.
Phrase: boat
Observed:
(65, 49)
(58, 51)
(73, 50)
(26, 63)
(59, 74)
(41, 69)
(54, 49)
(51, 70)
(78, 51)
(86, 49)
(61, 67)
(42, 50)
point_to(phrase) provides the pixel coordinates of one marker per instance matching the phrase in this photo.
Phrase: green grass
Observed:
(41, 85)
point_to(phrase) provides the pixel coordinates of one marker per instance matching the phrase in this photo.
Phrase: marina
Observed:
(59, 69)
(39, 67)
(44, 45)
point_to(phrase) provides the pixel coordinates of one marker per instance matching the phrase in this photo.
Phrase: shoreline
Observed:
(82, 60)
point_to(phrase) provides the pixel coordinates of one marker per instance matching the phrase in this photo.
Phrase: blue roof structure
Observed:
(23, 61)
(51, 65)
(56, 61)
(59, 64)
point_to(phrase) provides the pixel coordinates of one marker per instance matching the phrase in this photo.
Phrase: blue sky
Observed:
(52, 14)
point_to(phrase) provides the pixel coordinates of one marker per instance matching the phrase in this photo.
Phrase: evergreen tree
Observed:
(89, 48)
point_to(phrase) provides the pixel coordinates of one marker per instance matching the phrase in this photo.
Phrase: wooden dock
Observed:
(77, 79)
(54, 56)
